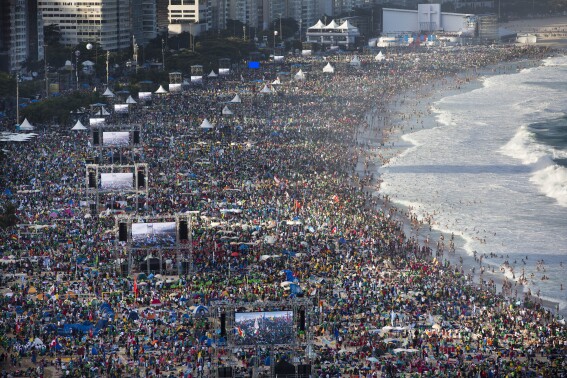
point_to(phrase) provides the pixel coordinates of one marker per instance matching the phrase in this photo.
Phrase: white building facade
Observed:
(193, 16)
(107, 22)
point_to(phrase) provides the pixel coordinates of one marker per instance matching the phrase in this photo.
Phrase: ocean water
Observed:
(493, 171)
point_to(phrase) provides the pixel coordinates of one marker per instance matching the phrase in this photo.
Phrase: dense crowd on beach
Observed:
(281, 211)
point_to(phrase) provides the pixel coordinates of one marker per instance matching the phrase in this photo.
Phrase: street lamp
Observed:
(275, 34)
(17, 98)
(77, 53)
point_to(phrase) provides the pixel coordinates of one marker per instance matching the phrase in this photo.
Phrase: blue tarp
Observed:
(106, 310)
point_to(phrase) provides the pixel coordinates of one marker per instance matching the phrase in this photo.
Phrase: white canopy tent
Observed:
(213, 74)
(277, 81)
(160, 90)
(108, 93)
(227, 111)
(79, 126)
(355, 62)
(266, 89)
(26, 125)
(236, 99)
(379, 57)
(130, 100)
(206, 125)
(328, 68)
(300, 75)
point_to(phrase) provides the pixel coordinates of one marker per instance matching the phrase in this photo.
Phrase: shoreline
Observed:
(420, 102)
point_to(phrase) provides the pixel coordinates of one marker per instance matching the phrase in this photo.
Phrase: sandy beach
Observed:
(550, 31)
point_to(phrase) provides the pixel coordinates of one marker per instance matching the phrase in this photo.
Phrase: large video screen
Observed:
(145, 96)
(147, 235)
(121, 108)
(174, 88)
(253, 65)
(116, 138)
(196, 79)
(224, 71)
(116, 181)
(96, 121)
(273, 327)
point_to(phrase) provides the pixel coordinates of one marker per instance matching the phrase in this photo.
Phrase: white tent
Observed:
(380, 57)
(227, 111)
(328, 68)
(355, 62)
(160, 90)
(318, 26)
(102, 111)
(300, 75)
(108, 93)
(88, 63)
(236, 99)
(213, 74)
(206, 124)
(277, 81)
(130, 100)
(347, 26)
(79, 126)
(266, 89)
(332, 25)
(26, 125)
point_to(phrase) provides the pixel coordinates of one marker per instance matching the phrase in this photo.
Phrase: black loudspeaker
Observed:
(92, 179)
(141, 180)
(302, 320)
(303, 371)
(96, 138)
(122, 232)
(183, 230)
(136, 137)
(225, 372)
(223, 325)
(92, 207)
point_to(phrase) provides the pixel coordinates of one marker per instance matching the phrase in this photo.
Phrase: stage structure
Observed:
(122, 181)
(117, 138)
(197, 74)
(224, 66)
(175, 82)
(168, 236)
(265, 328)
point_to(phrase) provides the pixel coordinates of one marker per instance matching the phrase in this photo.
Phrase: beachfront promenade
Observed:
(285, 183)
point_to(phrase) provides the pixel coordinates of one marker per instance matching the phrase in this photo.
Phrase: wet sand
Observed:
(551, 31)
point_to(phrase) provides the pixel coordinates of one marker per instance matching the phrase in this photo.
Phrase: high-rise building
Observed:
(107, 22)
(21, 34)
(193, 16)
(144, 20)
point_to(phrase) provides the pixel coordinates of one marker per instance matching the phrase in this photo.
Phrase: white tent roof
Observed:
(328, 68)
(379, 57)
(300, 75)
(130, 100)
(79, 126)
(355, 61)
(108, 93)
(347, 26)
(226, 111)
(332, 25)
(102, 111)
(236, 99)
(88, 63)
(277, 81)
(206, 124)
(213, 74)
(26, 125)
(160, 90)
(318, 25)
(266, 89)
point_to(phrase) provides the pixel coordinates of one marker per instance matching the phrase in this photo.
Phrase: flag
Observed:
(240, 332)
(135, 288)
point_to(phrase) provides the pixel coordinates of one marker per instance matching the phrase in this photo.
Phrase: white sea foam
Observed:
(482, 175)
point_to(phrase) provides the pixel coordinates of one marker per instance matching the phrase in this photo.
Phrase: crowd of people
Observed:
(280, 185)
